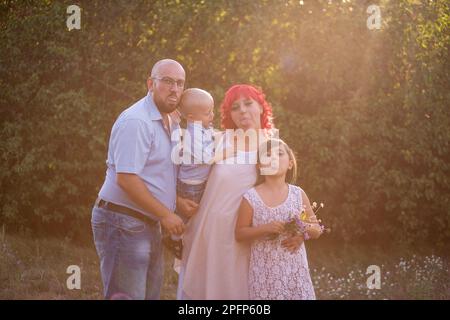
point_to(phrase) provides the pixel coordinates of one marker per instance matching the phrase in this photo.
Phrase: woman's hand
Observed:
(186, 207)
(293, 243)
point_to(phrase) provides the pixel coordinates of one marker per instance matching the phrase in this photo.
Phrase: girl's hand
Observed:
(293, 243)
(312, 220)
(274, 227)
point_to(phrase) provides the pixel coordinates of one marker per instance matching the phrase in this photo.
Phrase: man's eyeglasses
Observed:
(171, 82)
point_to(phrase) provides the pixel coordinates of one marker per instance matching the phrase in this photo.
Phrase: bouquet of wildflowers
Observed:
(300, 222)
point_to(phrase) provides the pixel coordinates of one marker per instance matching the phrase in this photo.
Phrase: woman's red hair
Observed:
(245, 91)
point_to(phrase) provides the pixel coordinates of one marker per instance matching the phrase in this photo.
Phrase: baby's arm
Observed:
(246, 232)
(314, 230)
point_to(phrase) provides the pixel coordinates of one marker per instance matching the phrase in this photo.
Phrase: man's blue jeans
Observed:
(130, 252)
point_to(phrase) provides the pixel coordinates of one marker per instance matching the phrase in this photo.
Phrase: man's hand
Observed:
(293, 243)
(186, 207)
(173, 224)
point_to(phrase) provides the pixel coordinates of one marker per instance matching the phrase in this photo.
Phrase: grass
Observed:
(36, 269)
(342, 273)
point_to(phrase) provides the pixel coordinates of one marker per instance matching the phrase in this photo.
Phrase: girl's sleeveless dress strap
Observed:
(251, 197)
(297, 194)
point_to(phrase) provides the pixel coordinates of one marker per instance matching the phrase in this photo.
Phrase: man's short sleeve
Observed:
(132, 142)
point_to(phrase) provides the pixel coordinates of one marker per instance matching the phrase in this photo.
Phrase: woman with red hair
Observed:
(214, 265)
(250, 94)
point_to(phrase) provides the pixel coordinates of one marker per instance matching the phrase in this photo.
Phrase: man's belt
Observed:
(126, 211)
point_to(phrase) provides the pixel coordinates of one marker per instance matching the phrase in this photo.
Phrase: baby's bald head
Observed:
(196, 104)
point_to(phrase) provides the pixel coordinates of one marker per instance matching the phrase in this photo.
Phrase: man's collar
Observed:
(152, 108)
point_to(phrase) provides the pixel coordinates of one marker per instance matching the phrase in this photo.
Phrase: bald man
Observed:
(138, 195)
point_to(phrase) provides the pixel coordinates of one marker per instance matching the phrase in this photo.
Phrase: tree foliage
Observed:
(365, 110)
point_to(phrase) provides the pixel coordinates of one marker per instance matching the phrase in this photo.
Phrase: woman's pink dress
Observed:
(214, 265)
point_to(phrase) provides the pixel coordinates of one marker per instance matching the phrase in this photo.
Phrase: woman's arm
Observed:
(246, 232)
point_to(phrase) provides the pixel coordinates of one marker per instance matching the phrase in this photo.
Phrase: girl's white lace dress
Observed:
(274, 272)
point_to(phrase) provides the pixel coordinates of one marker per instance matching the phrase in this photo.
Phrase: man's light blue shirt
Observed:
(139, 144)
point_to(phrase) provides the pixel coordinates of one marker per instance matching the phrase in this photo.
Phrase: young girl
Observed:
(275, 272)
